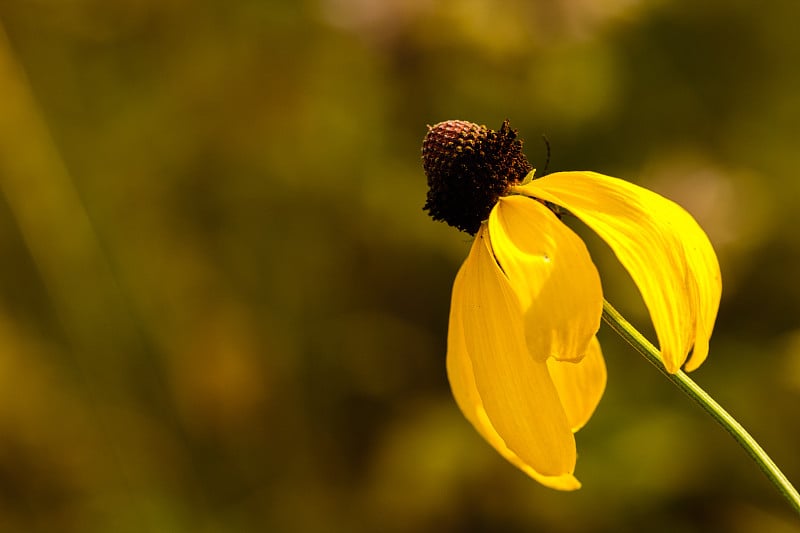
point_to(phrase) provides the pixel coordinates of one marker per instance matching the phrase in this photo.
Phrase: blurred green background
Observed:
(222, 308)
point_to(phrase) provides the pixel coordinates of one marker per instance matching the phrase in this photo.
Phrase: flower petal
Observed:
(491, 371)
(462, 383)
(580, 385)
(705, 279)
(663, 248)
(551, 271)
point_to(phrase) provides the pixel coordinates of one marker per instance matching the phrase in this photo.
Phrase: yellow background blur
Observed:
(222, 308)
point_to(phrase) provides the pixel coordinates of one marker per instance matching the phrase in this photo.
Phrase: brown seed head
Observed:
(468, 168)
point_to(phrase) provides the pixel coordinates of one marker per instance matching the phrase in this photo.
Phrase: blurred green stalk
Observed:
(84, 293)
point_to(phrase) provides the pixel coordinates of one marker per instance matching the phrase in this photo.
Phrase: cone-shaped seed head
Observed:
(468, 168)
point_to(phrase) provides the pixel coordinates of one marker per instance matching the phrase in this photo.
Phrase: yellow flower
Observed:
(523, 361)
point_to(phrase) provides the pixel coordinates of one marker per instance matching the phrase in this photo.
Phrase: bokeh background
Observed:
(222, 308)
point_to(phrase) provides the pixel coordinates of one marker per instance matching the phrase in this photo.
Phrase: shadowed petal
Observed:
(580, 385)
(491, 371)
(462, 383)
(551, 271)
(663, 248)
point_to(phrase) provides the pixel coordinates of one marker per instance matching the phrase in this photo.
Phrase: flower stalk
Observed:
(624, 328)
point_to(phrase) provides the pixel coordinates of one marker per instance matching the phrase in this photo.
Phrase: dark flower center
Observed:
(468, 168)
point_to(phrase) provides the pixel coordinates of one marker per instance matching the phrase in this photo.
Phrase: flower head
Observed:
(523, 361)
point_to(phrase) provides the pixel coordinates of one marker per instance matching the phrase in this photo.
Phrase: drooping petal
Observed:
(551, 271)
(462, 383)
(580, 385)
(705, 279)
(491, 372)
(663, 248)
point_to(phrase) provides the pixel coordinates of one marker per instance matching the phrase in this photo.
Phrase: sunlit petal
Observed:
(705, 279)
(551, 271)
(580, 385)
(486, 343)
(666, 252)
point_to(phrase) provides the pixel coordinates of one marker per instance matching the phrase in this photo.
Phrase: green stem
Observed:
(693, 390)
